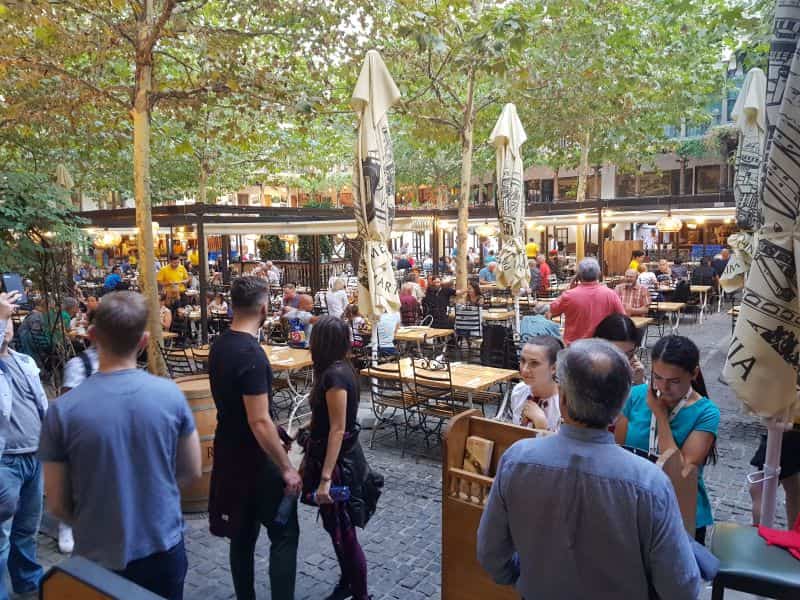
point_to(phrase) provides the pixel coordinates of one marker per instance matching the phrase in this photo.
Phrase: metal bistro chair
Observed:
(390, 400)
(200, 358)
(659, 319)
(177, 361)
(469, 332)
(436, 400)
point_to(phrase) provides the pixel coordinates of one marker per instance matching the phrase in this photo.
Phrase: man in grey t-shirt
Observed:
(115, 449)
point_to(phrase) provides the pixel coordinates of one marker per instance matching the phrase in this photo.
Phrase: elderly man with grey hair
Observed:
(573, 515)
(585, 305)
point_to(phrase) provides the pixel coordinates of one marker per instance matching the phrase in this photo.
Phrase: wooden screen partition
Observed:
(462, 577)
(80, 579)
(684, 479)
(617, 255)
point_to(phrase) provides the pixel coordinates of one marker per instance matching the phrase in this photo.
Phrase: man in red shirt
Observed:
(544, 272)
(585, 305)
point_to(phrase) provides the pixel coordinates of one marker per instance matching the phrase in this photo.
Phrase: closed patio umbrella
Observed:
(63, 178)
(762, 360)
(749, 117)
(507, 137)
(374, 188)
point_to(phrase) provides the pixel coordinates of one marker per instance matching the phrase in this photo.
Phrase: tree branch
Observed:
(48, 67)
(158, 26)
(187, 94)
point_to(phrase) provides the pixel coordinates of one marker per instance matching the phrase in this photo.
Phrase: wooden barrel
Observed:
(197, 389)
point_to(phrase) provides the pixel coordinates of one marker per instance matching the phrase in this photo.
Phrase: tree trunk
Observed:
(202, 189)
(682, 177)
(466, 181)
(141, 192)
(583, 169)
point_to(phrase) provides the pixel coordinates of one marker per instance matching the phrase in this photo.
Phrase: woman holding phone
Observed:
(673, 411)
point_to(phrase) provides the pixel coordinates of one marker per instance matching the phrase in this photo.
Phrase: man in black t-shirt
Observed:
(251, 472)
(436, 302)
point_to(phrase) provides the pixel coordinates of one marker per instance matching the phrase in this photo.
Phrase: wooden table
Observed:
(288, 360)
(700, 290)
(498, 315)
(673, 310)
(419, 334)
(641, 322)
(466, 377)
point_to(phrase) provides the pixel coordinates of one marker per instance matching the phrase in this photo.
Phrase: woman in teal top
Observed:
(672, 411)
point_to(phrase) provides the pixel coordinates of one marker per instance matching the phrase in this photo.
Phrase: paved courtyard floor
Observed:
(403, 541)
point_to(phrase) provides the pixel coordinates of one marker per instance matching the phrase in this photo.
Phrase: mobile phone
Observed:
(12, 282)
(653, 389)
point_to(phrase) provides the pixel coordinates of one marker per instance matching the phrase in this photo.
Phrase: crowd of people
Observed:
(111, 471)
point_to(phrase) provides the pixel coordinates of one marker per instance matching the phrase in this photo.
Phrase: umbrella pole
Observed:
(772, 470)
(516, 312)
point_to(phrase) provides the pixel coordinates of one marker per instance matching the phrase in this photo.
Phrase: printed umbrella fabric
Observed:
(508, 136)
(63, 178)
(373, 185)
(749, 117)
(762, 360)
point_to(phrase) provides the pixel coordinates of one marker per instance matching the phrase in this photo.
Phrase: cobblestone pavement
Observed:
(403, 541)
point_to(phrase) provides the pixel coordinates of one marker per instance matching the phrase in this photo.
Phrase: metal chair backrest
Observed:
(387, 390)
(468, 321)
(433, 382)
(177, 362)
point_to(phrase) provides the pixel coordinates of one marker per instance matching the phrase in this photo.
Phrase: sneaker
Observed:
(65, 541)
(340, 592)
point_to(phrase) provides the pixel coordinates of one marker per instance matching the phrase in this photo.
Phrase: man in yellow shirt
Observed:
(174, 274)
(531, 248)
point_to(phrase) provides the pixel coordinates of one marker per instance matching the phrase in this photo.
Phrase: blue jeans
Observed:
(22, 485)
(163, 573)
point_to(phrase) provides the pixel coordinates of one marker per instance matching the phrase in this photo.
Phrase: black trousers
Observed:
(260, 511)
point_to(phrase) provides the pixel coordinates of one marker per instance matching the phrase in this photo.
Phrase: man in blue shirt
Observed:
(115, 449)
(573, 515)
(112, 280)
(486, 274)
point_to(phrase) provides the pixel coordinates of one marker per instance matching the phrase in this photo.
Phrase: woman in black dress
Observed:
(333, 455)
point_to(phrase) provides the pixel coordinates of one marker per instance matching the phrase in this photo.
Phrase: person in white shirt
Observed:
(534, 401)
(387, 327)
(647, 278)
(218, 306)
(337, 299)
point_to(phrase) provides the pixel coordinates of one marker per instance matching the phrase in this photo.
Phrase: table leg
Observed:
(501, 411)
(469, 399)
(703, 304)
(677, 314)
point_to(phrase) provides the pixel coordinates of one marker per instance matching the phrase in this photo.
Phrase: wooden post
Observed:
(316, 260)
(435, 246)
(600, 239)
(225, 257)
(203, 277)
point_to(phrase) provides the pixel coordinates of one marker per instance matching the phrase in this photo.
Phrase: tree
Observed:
(453, 61)
(126, 58)
(621, 71)
(37, 228)
(271, 247)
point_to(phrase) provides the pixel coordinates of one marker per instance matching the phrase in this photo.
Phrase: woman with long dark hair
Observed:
(620, 330)
(333, 455)
(673, 412)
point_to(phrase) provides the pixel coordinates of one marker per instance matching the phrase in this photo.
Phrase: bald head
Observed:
(594, 382)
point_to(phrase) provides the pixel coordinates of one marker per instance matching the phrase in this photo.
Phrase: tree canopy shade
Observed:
(128, 57)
